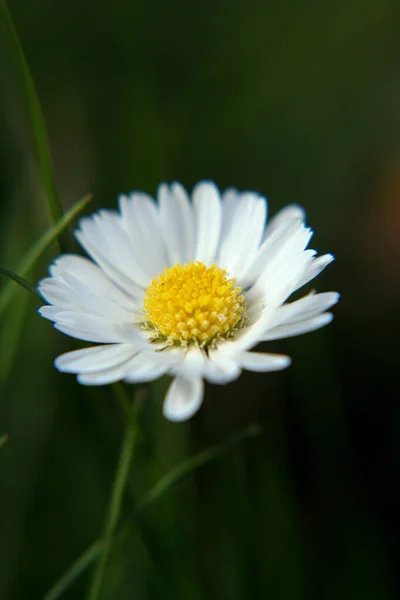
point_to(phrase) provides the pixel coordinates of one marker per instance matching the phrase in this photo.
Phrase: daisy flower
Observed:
(184, 287)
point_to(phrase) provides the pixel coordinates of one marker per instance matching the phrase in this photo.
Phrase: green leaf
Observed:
(163, 485)
(34, 253)
(3, 439)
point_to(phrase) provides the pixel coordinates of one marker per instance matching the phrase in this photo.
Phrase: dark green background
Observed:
(301, 102)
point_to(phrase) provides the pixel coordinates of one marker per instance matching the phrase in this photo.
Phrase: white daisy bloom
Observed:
(184, 287)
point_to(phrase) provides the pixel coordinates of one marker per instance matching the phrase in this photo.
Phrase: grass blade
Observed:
(189, 465)
(23, 282)
(162, 486)
(12, 331)
(78, 567)
(37, 249)
(118, 491)
(36, 119)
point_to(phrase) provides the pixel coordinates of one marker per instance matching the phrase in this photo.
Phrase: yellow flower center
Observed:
(193, 304)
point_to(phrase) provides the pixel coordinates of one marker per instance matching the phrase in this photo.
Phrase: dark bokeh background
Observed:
(301, 102)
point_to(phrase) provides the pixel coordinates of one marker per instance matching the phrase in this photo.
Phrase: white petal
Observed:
(141, 221)
(149, 366)
(309, 306)
(74, 299)
(297, 328)
(253, 232)
(217, 367)
(281, 282)
(260, 361)
(121, 371)
(177, 223)
(120, 249)
(184, 398)
(94, 300)
(208, 218)
(248, 336)
(147, 373)
(291, 244)
(92, 328)
(286, 241)
(95, 358)
(85, 271)
(65, 299)
(192, 364)
(314, 268)
(106, 253)
(230, 199)
(105, 376)
(73, 263)
(49, 312)
(291, 212)
(240, 242)
(221, 369)
(57, 293)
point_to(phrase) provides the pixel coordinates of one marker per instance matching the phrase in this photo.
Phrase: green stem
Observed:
(123, 400)
(162, 486)
(37, 121)
(120, 480)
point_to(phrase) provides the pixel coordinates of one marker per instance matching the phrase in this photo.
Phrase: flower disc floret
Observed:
(193, 304)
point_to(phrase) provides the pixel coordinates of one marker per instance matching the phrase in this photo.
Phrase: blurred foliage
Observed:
(300, 101)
